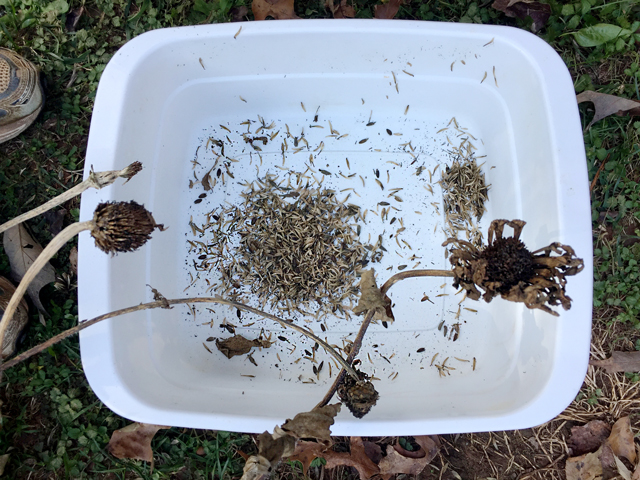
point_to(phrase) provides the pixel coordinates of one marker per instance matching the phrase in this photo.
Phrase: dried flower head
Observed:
(507, 268)
(358, 395)
(122, 226)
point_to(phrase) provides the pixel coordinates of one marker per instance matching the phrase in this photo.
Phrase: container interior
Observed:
(207, 82)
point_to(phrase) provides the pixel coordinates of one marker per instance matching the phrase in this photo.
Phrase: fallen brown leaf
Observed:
(3, 462)
(342, 10)
(387, 10)
(356, 458)
(22, 251)
(282, 443)
(396, 462)
(538, 11)
(73, 260)
(619, 362)
(134, 441)
(278, 9)
(19, 320)
(606, 105)
(584, 467)
(314, 425)
(238, 14)
(588, 438)
(306, 452)
(621, 440)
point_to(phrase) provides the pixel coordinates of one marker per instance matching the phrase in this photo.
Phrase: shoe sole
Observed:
(14, 129)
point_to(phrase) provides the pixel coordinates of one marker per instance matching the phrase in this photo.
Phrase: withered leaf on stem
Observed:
(387, 10)
(313, 425)
(278, 9)
(606, 105)
(619, 362)
(22, 251)
(238, 345)
(372, 298)
(134, 441)
(538, 11)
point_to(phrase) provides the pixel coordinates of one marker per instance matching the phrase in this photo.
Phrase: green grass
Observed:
(54, 426)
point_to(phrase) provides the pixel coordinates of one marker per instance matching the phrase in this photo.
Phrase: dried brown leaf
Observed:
(282, 443)
(55, 220)
(584, 467)
(275, 446)
(622, 469)
(22, 251)
(314, 425)
(621, 440)
(238, 345)
(306, 452)
(238, 14)
(387, 10)
(606, 105)
(356, 458)
(588, 438)
(395, 462)
(619, 362)
(372, 298)
(3, 462)
(342, 10)
(18, 321)
(73, 260)
(134, 441)
(278, 9)
(538, 11)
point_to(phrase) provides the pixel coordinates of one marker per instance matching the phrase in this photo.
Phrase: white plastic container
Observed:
(165, 92)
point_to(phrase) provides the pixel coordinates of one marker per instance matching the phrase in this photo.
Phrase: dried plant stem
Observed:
(164, 303)
(50, 250)
(413, 273)
(355, 349)
(96, 180)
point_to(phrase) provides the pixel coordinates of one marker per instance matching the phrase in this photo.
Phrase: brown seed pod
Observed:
(122, 226)
(359, 396)
(507, 268)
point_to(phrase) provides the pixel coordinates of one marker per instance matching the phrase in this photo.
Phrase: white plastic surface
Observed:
(165, 92)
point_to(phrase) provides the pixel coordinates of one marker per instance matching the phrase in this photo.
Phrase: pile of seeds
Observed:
(465, 192)
(295, 249)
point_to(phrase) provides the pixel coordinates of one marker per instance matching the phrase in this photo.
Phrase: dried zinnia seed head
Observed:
(130, 171)
(507, 268)
(508, 263)
(122, 226)
(358, 395)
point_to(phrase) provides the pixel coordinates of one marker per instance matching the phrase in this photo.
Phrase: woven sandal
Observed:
(21, 97)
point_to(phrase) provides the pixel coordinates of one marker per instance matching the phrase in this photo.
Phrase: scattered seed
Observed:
(363, 140)
(302, 105)
(237, 33)
(406, 110)
(242, 99)
(489, 42)
(474, 364)
(484, 78)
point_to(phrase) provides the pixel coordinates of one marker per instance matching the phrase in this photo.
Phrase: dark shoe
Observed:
(21, 97)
